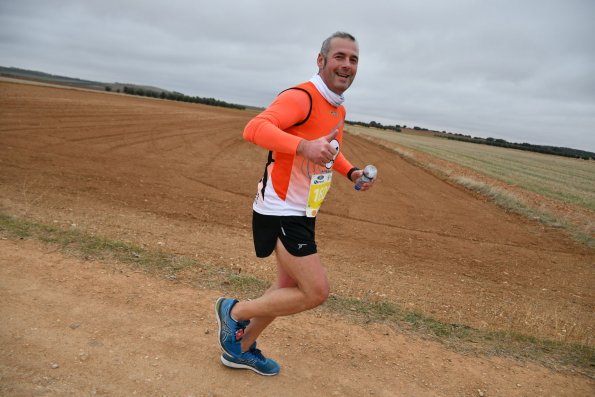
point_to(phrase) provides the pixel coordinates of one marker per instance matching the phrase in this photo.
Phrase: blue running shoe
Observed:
(252, 359)
(230, 331)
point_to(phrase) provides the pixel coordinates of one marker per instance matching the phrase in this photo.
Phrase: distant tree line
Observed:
(176, 96)
(375, 124)
(559, 151)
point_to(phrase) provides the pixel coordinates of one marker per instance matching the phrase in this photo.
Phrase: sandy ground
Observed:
(178, 177)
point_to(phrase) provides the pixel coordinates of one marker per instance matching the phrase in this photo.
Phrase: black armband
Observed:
(351, 172)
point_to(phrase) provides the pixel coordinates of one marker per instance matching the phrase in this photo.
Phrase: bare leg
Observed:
(302, 284)
(258, 324)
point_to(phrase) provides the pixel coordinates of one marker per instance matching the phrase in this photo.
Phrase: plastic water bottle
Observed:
(370, 173)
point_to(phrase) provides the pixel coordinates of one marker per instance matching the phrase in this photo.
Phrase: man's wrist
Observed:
(300, 147)
(351, 172)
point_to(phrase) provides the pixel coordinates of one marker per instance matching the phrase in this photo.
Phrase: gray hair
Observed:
(326, 44)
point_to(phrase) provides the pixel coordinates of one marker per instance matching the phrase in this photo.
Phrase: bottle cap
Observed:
(370, 171)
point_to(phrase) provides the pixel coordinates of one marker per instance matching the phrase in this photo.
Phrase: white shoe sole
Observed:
(231, 364)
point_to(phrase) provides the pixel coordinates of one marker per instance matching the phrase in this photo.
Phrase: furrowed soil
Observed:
(178, 178)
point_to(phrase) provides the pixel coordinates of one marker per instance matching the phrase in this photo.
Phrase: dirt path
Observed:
(179, 178)
(74, 328)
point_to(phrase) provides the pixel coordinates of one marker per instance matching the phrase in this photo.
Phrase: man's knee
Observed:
(318, 295)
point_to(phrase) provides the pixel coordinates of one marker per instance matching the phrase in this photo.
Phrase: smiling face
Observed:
(338, 68)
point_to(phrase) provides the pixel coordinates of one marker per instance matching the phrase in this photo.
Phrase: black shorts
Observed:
(295, 232)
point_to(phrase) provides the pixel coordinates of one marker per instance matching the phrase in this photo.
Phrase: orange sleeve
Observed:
(267, 128)
(342, 165)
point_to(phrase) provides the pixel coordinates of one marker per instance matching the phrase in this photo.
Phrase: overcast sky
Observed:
(520, 70)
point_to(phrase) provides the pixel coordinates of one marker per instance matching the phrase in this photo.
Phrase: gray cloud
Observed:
(522, 71)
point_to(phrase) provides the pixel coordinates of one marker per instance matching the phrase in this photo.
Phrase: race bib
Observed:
(319, 187)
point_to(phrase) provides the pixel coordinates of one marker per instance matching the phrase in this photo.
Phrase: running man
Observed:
(303, 131)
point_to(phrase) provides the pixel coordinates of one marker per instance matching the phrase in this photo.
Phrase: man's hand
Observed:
(366, 185)
(318, 151)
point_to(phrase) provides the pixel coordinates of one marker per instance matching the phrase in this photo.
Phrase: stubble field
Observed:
(178, 178)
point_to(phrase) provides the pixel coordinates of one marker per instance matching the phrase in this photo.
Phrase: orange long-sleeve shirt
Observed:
(296, 114)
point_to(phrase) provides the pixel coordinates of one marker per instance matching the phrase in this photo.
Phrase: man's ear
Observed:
(320, 61)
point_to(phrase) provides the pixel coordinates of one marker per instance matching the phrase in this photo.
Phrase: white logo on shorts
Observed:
(301, 245)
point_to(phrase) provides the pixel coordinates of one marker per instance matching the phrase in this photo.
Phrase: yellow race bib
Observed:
(319, 187)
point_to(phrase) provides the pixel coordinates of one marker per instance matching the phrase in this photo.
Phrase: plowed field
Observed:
(178, 177)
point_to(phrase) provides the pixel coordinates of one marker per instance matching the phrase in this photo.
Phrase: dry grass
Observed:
(566, 179)
(569, 182)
